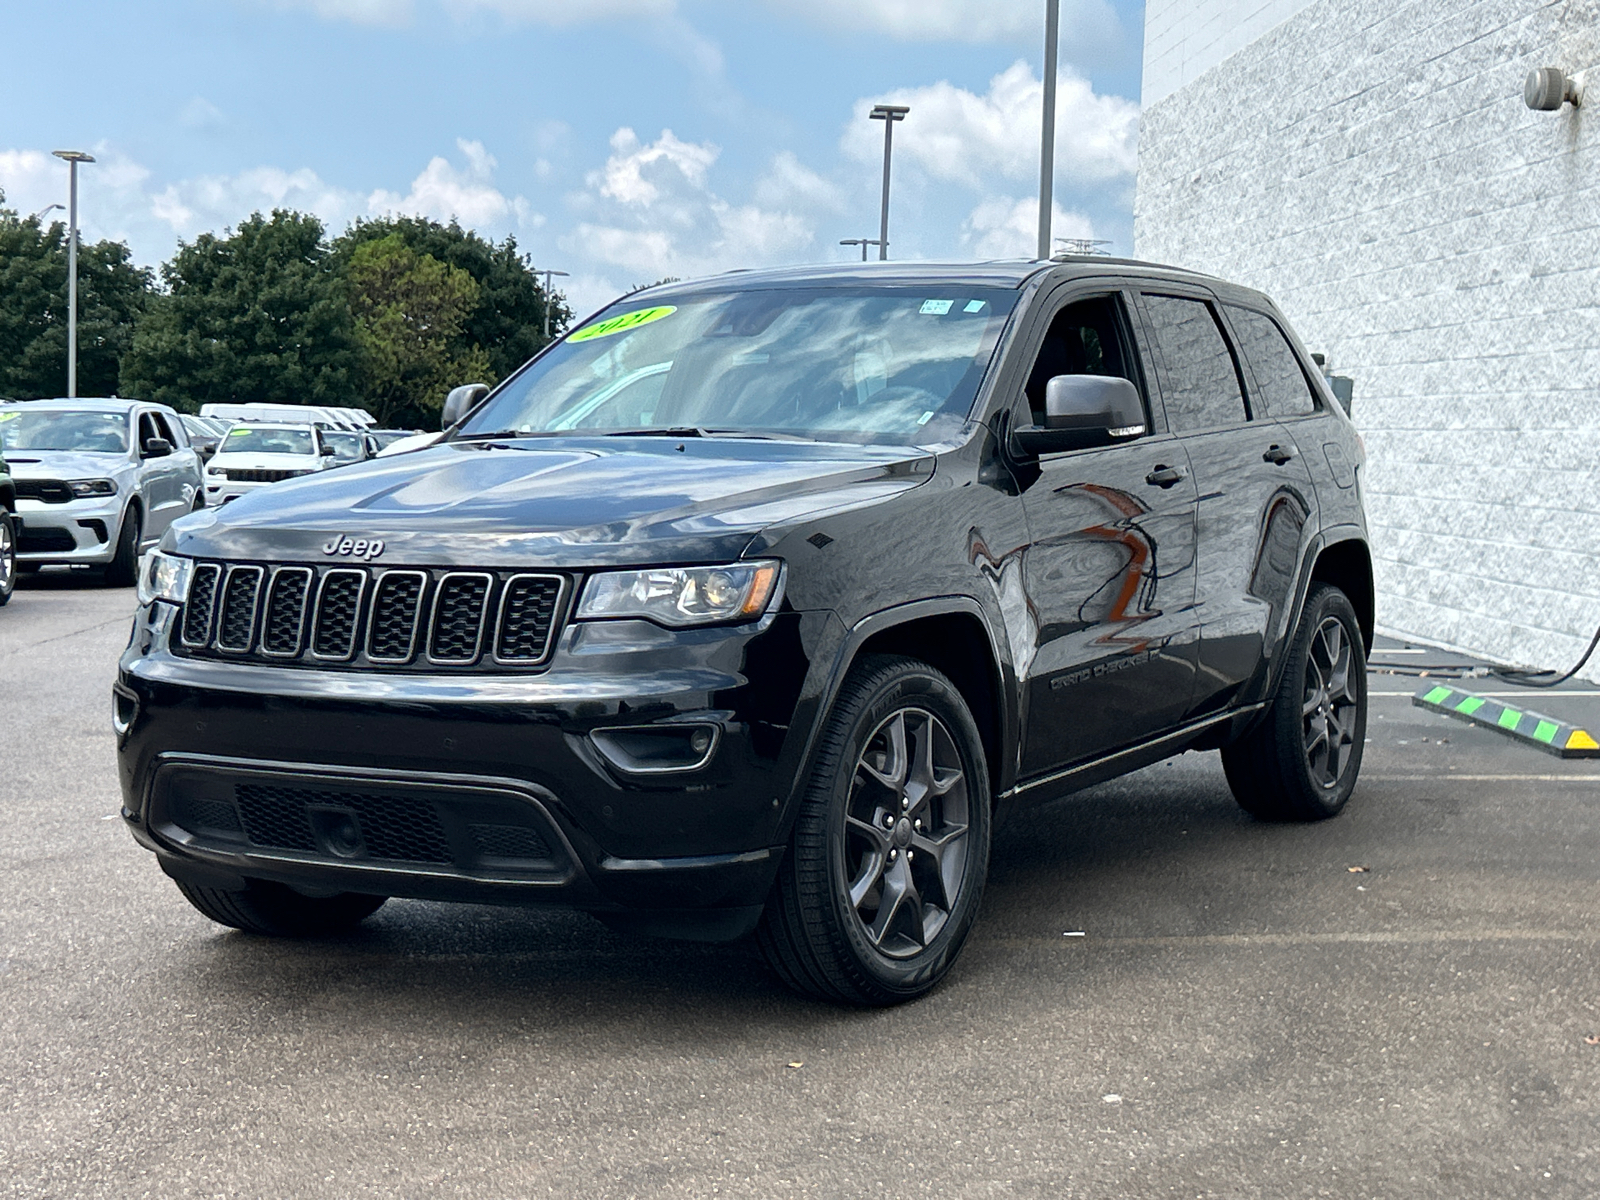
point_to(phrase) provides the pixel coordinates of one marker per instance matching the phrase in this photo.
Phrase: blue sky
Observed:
(620, 140)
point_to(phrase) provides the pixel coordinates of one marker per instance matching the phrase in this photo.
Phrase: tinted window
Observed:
(1281, 389)
(258, 439)
(1084, 339)
(895, 365)
(55, 429)
(1200, 385)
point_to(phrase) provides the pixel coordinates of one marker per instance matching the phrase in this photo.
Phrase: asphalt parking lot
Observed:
(1244, 1014)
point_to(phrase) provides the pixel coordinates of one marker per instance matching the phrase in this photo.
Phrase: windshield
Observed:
(346, 447)
(896, 365)
(57, 429)
(254, 439)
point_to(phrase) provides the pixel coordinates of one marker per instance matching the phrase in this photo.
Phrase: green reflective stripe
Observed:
(1438, 696)
(1471, 705)
(1546, 732)
(1509, 718)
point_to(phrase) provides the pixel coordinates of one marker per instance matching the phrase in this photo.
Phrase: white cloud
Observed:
(1004, 227)
(200, 113)
(788, 183)
(444, 193)
(651, 213)
(957, 136)
(117, 200)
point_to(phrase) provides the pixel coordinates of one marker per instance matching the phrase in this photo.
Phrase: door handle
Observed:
(1164, 477)
(1276, 455)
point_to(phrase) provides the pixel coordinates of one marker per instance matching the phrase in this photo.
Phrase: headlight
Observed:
(682, 595)
(93, 487)
(164, 577)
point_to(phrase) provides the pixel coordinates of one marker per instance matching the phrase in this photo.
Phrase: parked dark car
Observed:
(744, 608)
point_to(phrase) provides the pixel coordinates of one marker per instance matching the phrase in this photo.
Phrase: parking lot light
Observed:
(72, 159)
(888, 114)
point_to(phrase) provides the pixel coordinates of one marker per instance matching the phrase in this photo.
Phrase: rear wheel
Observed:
(8, 555)
(1301, 762)
(278, 911)
(890, 850)
(124, 568)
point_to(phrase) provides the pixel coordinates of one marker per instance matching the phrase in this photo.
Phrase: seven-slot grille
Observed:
(370, 616)
(261, 474)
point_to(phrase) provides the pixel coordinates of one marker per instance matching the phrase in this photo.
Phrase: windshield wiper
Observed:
(702, 431)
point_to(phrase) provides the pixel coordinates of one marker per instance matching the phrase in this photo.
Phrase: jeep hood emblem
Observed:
(363, 548)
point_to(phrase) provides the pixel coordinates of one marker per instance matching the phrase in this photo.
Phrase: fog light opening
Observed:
(658, 749)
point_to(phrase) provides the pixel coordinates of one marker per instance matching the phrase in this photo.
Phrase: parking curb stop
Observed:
(1530, 728)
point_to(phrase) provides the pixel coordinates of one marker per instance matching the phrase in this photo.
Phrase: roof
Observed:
(1011, 273)
(92, 404)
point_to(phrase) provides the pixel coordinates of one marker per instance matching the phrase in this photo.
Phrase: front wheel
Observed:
(278, 911)
(124, 568)
(890, 849)
(1300, 763)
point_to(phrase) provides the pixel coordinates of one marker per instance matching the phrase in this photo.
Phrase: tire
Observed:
(123, 570)
(1301, 762)
(277, 911)
(8, 556)
(897, 727)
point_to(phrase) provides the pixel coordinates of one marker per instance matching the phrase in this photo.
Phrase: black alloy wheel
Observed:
(1300, 763)
(8, 555)
(890, 849)
(908, 795)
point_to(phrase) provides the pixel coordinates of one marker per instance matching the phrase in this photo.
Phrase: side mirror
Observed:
(460, 402)
(1083, 411)
(157, 447)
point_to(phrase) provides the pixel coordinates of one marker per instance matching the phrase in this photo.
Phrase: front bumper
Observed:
(688, 852)
(221, 490)
(79, 531)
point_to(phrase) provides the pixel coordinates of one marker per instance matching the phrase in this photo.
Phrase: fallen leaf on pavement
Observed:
(1358, 870)
(796, 1065)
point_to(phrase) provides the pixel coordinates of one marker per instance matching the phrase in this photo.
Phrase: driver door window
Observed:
(1085, 338)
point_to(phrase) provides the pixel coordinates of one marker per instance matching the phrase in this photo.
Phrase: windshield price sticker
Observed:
(622, 324)
(9, 416)
(937, 308)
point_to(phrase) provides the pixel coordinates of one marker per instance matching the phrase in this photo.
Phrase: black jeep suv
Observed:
(743, 607)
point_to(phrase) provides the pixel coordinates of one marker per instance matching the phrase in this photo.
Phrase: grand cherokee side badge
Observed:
(353, 548)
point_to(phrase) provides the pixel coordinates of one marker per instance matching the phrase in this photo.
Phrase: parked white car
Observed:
(253, 456)
(97, 481)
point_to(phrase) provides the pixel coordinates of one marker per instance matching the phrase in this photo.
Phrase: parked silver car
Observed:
(97, 481)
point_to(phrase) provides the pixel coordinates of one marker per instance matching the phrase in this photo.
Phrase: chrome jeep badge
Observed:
(362, 548)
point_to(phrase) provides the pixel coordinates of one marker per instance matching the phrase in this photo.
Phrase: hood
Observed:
(64, 464)
(266, 462)
(548, 502)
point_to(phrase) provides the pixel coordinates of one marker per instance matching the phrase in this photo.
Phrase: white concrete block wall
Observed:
(1185, 38)
(1372, 166)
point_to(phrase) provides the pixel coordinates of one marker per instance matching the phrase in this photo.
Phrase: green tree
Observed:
(507, 319)
(410, 313)
(257, 314)
(112, 293)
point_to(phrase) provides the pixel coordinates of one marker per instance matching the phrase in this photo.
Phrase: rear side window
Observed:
(1281, 388)
(1200, 384)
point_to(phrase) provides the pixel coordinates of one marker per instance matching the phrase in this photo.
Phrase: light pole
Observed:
(548, 276)
(1047, 151)
(863, 243)
(47, 208)
(72, 158)
(888, 114)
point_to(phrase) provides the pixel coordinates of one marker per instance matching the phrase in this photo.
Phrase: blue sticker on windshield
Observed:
(974, 306)
(937, 308)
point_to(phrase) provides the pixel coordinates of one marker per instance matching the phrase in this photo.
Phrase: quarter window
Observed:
(1281, 389)
(1200, 383)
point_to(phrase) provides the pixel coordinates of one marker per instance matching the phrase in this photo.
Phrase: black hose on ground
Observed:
(1535, 679)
